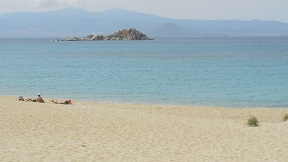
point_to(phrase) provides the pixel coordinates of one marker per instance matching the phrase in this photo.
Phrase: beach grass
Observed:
(285, 118)
(253, 121)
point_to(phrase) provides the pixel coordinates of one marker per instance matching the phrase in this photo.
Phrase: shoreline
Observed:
(150, 104)
(94, 131)
(243, 112)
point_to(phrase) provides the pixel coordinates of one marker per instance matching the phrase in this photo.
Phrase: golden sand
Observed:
(89, 131)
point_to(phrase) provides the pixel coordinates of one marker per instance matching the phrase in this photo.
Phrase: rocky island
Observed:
(122, 34)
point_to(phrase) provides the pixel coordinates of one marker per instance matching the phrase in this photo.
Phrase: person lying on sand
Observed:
(64, 102)
(39, 99)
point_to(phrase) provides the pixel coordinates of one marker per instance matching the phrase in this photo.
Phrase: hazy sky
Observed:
(191, 9)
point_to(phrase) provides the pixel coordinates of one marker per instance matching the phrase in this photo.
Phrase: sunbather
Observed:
(64, 102)
(39, 99)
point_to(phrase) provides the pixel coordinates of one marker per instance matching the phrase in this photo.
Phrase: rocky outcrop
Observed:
(130, 34)
(71, 39)
(92, 37)
(122, 34)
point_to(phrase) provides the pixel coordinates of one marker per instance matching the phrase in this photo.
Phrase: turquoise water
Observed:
(230, 72)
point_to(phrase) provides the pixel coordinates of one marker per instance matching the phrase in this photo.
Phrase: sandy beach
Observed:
(87, 131)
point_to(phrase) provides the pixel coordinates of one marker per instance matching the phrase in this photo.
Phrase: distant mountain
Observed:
(78, 22)
(172, 30)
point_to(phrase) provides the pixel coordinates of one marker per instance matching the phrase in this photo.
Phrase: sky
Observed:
(181, 9)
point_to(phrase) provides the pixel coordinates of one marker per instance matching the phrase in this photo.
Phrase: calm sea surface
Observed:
(230, 72)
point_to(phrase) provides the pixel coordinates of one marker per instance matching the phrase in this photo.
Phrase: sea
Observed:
(235, 72)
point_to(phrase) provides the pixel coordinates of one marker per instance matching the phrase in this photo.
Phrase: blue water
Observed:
(229, 72)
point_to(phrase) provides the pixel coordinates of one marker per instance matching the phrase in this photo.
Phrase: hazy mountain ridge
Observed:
(78, 22)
